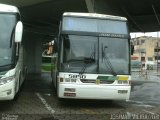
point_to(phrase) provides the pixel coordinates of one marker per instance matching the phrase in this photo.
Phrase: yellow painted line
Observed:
(47, 106)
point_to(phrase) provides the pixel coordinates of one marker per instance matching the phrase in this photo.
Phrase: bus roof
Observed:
(8, 8)
(94, 15)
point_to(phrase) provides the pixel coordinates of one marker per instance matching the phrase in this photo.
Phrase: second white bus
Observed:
(93, 57)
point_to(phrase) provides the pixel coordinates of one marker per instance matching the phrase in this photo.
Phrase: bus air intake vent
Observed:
(106, 81)
(88, 81)
(94, 81)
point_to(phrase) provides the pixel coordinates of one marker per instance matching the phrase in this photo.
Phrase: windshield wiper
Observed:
(74, 60)
(104, 56)
(88, 60)
(85, 60)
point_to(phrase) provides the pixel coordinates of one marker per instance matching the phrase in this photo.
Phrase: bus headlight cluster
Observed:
(6, 80)
(123, 79)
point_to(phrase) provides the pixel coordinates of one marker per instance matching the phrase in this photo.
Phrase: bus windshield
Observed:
(76, 49)
(116, 52)
(8, 22)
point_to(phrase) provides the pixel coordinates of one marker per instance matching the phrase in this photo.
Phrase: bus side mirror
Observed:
(18, 32)
(132, 49)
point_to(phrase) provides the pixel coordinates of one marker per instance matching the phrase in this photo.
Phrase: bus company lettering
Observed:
(111, 35)
(77, 76)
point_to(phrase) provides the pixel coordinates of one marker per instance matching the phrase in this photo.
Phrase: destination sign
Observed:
(112, 35)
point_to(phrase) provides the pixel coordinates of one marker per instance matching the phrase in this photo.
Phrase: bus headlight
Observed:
(6, 80)
(123, 77)
(123, 80)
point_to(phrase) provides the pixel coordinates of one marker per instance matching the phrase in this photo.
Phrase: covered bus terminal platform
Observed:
(41, 19)
(37, 99)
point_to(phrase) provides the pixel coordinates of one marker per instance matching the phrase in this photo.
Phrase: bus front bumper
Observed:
(103, 92)
(7, 91)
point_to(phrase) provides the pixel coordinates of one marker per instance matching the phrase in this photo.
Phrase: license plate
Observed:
(122, 91)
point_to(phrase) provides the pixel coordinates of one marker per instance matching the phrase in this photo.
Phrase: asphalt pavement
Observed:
(37, 101)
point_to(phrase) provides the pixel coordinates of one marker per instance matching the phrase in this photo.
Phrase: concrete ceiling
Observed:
(43, 16)
(46, 16)
(21, 3)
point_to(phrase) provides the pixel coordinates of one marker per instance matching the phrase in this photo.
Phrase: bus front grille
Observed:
(88, 81)
(95, 81)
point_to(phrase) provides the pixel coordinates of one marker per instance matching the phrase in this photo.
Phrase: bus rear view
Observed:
(93, 58)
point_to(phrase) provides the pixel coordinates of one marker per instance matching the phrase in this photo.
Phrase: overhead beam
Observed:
(131, 18)
(90, 5)
(156, 14)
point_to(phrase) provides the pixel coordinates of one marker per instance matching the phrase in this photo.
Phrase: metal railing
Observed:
(145, 73)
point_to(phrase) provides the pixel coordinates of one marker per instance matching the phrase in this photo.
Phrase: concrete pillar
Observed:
(98, 6)
(33, 47)
(105, 7)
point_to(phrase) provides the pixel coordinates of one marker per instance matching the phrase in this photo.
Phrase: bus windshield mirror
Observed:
(132, 49)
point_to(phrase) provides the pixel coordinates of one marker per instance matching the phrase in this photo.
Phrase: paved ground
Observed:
(37, 101)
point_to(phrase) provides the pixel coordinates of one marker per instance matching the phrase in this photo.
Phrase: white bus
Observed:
(12, 70)
(93, 57)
